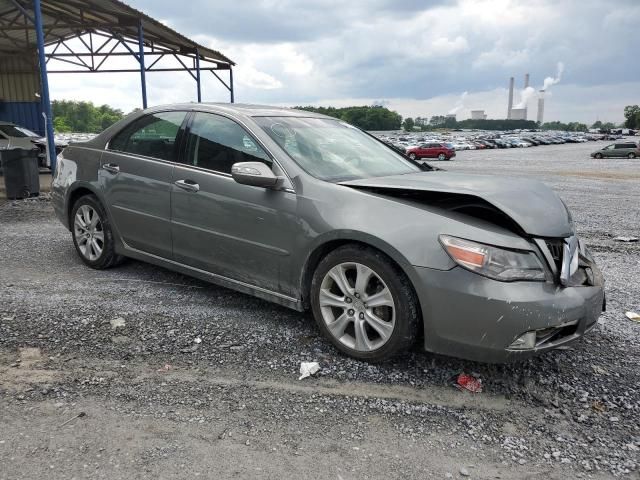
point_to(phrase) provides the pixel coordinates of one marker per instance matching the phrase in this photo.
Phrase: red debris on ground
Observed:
(469, 382)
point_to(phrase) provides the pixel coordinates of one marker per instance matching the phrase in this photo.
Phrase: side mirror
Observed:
(256, 174)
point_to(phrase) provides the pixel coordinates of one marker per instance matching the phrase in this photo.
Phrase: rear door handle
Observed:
(188, 185)
(111, 168)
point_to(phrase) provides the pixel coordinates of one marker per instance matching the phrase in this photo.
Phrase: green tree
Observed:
(408, 124)
(632, 116)
(75, 116)
(373, 117)
(60, 125)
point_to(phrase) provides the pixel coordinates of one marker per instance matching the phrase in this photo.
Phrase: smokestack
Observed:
(526, 84)
(510, 98)
(541, 107)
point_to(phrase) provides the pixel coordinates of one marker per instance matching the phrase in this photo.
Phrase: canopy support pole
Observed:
(46, 103)
(143, 80)
(198, 76)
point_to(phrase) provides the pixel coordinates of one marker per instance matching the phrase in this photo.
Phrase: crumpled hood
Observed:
(536, 208)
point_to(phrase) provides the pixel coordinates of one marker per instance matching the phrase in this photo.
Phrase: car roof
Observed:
(239, 109)
(7, 123)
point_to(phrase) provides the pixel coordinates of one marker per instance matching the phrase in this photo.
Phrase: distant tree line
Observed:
(567, 127)
(366, 117)
(74, 116)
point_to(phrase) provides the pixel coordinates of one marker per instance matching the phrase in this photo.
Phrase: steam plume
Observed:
(525, 96)
(553, 80)
(459, 104)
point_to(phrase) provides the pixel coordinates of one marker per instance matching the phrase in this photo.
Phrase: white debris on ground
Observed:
(308, 368)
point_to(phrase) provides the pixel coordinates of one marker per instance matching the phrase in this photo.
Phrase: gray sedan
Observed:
(312, 213)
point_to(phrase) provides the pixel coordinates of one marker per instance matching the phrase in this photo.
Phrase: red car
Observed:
(431, 150)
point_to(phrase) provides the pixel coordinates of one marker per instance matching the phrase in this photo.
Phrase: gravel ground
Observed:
(178, 378)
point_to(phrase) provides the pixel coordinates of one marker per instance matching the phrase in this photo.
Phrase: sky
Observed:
(415, 57)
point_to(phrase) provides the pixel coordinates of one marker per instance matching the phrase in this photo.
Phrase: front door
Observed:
(240, 232)
(135, 174)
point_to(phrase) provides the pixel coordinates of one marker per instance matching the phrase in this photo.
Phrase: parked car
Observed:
(12, 135)
(621, 149)
(438, 150)
(312, 213)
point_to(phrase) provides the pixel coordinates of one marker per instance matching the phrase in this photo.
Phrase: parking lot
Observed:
(173, 377)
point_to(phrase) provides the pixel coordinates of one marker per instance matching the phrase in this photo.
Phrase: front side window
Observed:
(216, 143)
(153, 135)
(333, 150)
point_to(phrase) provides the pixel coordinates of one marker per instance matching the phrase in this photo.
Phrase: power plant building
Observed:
(518, 114)
(478, 115)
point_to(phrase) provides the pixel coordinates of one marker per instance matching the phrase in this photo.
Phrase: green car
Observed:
(622, 149)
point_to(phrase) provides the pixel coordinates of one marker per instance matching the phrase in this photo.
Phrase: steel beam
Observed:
(46, 104)
(198, 76)
(231, 84)
(143, 80)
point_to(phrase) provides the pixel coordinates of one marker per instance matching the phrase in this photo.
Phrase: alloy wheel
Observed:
(88, 232)
(442, 157)
(357, 306)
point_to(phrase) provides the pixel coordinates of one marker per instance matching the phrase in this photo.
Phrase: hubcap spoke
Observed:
(381, 299)
(338, 326)
(95, 247)
(99, 235)
(362, 340)
(337, 273)
(362, 280)
(383, 328)
(328, 299)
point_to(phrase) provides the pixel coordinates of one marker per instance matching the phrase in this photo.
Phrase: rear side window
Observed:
(625, 145)
(152, 136)
(216, 143)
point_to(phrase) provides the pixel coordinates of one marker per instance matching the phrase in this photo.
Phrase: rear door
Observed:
(135, 174)
(240, 232)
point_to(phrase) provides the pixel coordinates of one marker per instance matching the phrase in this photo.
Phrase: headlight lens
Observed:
(493, 262)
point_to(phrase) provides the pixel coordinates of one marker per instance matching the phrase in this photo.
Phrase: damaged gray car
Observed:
(312, 213)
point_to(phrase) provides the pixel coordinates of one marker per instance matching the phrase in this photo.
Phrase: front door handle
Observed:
(111, 168)
(188, 185)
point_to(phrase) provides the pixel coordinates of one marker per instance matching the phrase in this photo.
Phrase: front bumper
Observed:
(470, 316)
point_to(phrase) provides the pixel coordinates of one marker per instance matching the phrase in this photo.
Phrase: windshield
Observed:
(333, 150)
(28, 132)
(12, 131)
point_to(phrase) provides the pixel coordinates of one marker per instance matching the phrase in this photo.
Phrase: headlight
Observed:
(493, 262)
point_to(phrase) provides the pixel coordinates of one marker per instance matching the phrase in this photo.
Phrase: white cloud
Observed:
(416, 58)
(444, 46)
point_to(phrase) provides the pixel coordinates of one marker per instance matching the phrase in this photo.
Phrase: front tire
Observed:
(92, 234)
(598, 155)
(631, 155)
(364, 303)
(442, 157)
(412, 156)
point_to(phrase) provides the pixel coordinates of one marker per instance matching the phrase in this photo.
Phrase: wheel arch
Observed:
(78, 191)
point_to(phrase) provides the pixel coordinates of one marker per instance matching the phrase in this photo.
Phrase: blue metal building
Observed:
(41, 37)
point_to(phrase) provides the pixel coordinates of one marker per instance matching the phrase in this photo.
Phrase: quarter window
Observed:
(152, 136)
(216, 143)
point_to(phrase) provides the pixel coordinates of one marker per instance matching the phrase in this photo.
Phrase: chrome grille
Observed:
(556, 248)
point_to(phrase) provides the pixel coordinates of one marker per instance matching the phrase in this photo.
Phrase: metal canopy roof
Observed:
(90, 36)
(66, 19)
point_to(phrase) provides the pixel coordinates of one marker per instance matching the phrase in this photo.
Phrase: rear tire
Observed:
(92, 234)
(631, 155)
(377, 316)
(412, 156)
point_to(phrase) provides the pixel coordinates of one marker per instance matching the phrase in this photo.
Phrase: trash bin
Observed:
(21, 173)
